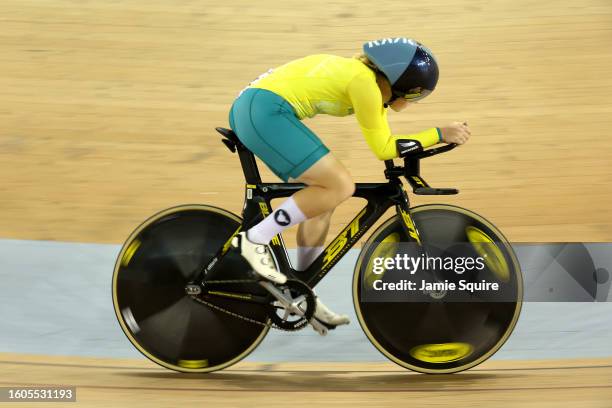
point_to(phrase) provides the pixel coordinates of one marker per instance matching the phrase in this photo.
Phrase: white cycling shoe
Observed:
(258, 255)
(260, 259)
(325, 315)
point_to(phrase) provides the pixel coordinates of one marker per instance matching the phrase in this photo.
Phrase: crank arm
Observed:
(293, 307)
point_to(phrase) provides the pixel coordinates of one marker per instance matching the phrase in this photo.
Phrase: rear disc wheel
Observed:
(165, 324)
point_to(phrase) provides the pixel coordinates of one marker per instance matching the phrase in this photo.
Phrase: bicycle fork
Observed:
(403, 210)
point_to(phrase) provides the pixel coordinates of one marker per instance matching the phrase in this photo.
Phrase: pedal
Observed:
(327, 325)
(319, 327)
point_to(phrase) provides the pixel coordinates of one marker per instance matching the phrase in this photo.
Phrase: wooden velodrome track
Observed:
(107, 112)
(110, 383)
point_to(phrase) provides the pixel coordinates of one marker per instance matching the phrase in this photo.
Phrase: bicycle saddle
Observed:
(231, 140)
(228, 133)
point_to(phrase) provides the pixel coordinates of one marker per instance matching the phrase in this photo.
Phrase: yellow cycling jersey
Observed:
(339, 86)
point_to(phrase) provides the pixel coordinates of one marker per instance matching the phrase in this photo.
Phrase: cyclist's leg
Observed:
(311, 233)
(311, 239)
(328, 184)
(267, 125)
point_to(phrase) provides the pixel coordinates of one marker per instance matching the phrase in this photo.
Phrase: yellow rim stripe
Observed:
(385, 249)
(488, 250)
(441, 353)
(193, 364)
(129, 252)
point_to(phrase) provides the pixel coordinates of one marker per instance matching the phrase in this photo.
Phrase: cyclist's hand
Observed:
(455, 132)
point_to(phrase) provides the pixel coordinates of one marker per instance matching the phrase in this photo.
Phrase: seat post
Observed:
(249, 165)
(247, 159)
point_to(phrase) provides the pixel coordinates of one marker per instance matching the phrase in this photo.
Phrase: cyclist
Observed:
(267, 118)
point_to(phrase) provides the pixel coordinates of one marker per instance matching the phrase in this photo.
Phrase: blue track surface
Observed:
(56, 299)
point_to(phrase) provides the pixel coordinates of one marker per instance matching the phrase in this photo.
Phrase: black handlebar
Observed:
(410, 158)
(431, 152)
(412, 171)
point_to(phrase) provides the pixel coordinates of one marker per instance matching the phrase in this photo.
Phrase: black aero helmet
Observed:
(409, 66)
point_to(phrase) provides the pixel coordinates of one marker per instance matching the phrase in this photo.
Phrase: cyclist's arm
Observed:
(372, 118)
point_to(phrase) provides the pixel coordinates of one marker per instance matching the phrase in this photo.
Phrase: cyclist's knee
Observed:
(346, 186)
(348, 190)
(331, 175)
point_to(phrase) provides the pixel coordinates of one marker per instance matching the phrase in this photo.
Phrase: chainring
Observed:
(299, 292)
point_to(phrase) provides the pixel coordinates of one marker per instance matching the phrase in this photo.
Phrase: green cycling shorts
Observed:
(267, 125)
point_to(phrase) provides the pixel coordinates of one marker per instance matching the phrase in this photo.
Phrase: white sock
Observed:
(286, 215)
(306, 256)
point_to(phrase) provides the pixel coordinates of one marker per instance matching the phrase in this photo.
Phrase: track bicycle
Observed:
(189, 303)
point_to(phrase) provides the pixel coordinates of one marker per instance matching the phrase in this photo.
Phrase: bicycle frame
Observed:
(380, 197)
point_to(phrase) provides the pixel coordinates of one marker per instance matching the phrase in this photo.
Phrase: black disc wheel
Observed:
(440, 332)
(165, 324)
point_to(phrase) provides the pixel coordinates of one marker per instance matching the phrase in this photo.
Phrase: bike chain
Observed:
(237, 315)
